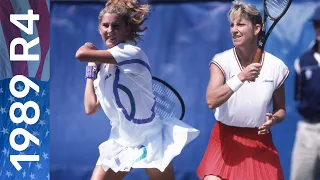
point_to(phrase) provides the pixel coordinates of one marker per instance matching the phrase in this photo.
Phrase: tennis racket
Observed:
(273, 10)
(168, 101)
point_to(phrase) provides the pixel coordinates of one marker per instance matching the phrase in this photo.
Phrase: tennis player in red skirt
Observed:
(241, 146)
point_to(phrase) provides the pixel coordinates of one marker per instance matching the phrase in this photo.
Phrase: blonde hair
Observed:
(246, 11)
(132, 14)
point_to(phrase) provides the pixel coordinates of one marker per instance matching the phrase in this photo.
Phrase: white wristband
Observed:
(234, 83)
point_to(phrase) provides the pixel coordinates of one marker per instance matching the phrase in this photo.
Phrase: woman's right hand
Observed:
(250, 73)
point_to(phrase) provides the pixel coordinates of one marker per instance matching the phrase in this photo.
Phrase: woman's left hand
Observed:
(265, 128)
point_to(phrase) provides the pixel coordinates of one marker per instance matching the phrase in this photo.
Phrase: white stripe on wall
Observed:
(5, 65)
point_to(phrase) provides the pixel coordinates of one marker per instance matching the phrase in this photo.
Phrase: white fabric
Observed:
(247, 107)
(306, 152)
(161, 140)
(316, 56)
(296, 66)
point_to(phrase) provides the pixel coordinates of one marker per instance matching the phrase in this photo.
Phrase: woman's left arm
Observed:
(88, 54)
(279, 109)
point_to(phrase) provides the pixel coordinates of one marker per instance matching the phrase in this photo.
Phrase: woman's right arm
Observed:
(217, 92)
(91, 103)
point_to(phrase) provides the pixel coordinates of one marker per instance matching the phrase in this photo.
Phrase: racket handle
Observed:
(257, 57)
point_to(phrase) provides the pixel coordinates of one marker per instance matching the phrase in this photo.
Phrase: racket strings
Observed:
(166, 100)
(276, 7)
(167, 103)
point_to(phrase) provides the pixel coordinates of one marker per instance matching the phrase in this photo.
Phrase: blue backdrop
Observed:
(180, 42)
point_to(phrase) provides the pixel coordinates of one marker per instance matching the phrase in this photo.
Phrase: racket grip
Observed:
(257, 57)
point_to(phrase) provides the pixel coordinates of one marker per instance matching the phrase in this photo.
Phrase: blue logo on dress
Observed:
(107, 76)
(144, 153)
(116, 86)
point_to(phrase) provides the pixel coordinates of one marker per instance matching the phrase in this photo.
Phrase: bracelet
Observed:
(234, 83)
(91, 72)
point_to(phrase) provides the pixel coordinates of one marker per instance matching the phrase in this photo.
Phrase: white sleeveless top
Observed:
(247, 107)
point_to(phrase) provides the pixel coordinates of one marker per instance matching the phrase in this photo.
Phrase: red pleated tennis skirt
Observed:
(236, 153)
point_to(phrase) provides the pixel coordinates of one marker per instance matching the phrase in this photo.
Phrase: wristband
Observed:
(91, 72)
(234, 83)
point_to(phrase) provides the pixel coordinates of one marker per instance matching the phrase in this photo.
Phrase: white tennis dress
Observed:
(139, 138)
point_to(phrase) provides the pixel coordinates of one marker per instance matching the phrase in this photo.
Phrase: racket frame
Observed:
(175, 92)
(264, 36)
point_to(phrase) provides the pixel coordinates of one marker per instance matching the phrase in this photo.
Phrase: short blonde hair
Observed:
(246, 11)
(131, 12)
